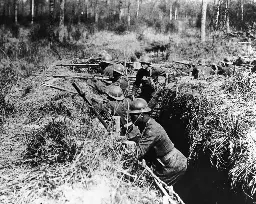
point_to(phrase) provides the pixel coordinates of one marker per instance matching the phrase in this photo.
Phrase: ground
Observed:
(54, 150)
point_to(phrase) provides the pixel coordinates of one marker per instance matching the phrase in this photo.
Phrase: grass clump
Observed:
(213, 119)
(53, 143)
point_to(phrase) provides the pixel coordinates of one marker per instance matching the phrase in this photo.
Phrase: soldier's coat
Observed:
(154, 145)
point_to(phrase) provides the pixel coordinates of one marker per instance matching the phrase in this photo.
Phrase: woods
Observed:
(131, 14)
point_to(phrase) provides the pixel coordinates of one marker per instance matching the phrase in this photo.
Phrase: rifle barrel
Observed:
(66, 65)
(81, 77)
(90, 105)
(61, 89)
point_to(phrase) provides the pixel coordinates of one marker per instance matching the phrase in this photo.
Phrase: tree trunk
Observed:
(120, 11)
(170, 11)
(129, 14)
(138, 9)
(242, 10)
(176, 13)
(51, 13)
(16, 11)
(62, 12)
(79, 6)
(203, 19)
(96, 12)
(217, 15)
(32, 11)
(22, 8)
(227, 17)
(36, 9)
(87, 9)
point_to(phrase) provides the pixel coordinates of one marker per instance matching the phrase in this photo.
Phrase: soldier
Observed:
(117, 105)
(202, 70)
(106, 61)
(155, 146)
(116, 77)
(146, 77)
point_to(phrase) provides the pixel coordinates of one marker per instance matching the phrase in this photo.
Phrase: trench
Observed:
(203, 183)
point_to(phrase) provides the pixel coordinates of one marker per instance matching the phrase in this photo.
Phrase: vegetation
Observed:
(54, 150)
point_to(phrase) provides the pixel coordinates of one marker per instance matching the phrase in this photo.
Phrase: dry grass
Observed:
(54, 151)
(219, 114)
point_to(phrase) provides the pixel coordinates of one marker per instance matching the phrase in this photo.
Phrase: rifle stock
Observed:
(90, 105)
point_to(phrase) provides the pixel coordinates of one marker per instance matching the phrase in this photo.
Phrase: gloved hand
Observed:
(129, 145)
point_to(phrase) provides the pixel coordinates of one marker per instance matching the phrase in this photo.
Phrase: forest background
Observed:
(130, 15)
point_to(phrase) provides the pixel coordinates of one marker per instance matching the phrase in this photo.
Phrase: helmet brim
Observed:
(121, 73)
(118, 98)
(148, 63)
(107, 62)
(145, 110)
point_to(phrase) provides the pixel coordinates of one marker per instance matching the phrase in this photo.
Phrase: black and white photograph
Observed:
(127, 102)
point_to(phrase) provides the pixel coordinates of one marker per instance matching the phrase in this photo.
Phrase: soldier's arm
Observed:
(146, 141)
(100, 87)
(138, 81)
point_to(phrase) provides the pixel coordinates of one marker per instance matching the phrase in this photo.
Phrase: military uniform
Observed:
(147, 78)
(155, 146)
(119, 108)
(121, 81)
(101, 85)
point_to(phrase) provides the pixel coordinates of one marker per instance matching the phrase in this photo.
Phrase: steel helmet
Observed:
(201, 62)
(145, 59)
(139, 105)
(115, 92)
(107, 58)
(119, 68)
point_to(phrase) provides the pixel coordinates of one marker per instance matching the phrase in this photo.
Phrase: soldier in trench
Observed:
(115, 73)
(146, 79)
(154, 145)
(117, 105)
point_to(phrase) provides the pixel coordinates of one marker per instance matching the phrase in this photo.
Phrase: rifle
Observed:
(73, 92)
(184, 62)
(82, 76)
(76, 65)
(61, 89)
(90, 105)
(162, 184)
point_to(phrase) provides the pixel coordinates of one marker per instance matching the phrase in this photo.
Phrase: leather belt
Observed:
(166, 157)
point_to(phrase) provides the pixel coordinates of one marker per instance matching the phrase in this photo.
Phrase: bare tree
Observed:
(61, 23)
(96, 12)
(176, 9)
(217, 14)
(79, 6)
(32, 11)
(129, 13)
(170, 8)
(138, 8)
(227, 16)
(203, 19)
(51, 9)
(16, 2)
(242, 10)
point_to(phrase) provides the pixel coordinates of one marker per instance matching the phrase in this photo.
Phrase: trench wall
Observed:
(203, 183)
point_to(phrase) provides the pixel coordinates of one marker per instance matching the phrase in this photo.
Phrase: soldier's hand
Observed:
(143, 163)
(129, 145)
